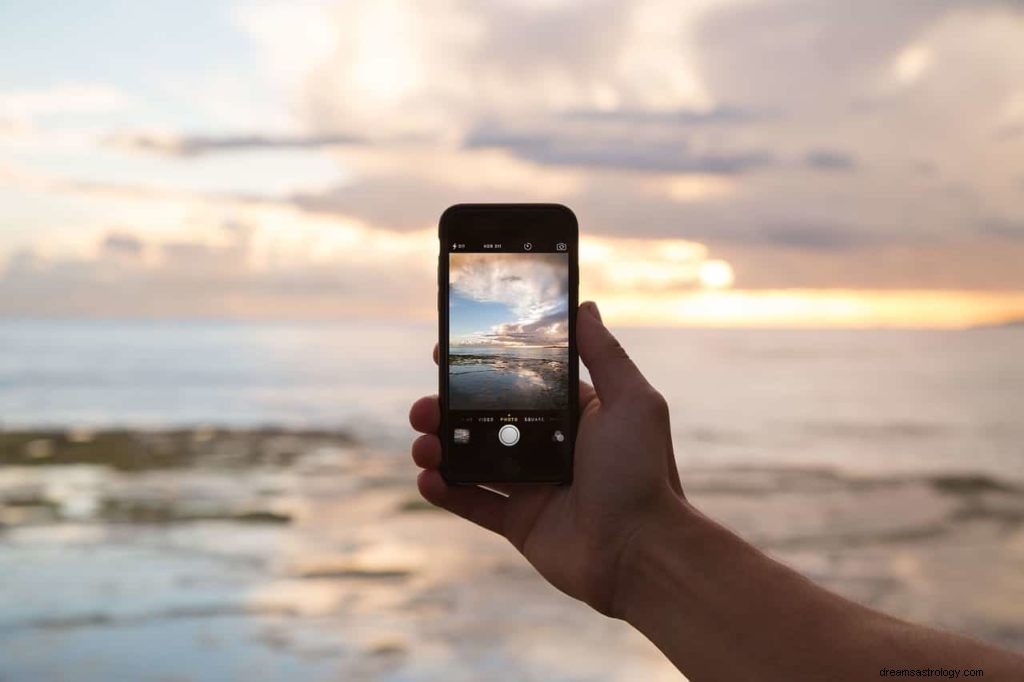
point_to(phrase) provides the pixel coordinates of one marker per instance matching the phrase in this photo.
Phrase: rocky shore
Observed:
(270, 554)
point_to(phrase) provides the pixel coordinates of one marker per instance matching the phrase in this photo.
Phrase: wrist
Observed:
(660, 533)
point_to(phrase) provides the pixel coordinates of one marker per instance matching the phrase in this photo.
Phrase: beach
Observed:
(241, 241)
(268, 554)
(509, 378)
(210, 500)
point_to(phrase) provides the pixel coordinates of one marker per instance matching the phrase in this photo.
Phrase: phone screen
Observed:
(509, 363)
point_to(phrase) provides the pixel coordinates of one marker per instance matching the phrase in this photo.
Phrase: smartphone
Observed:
(508, 280)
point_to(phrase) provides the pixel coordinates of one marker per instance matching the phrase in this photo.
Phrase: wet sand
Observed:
(490, 382)
(274, 555)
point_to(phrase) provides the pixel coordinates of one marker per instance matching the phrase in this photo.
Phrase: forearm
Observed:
(722, 610)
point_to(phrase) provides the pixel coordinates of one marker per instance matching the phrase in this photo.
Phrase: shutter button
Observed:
(508, 435)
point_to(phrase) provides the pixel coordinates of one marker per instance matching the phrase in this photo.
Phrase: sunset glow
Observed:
(816, 309)
(715, 274)
(293, 161)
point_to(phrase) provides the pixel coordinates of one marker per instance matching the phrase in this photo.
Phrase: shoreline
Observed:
(130, 448)
(139, 457)
(135, 449)
(313, 553)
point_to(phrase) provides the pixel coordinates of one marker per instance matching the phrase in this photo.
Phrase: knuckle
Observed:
(616, 350)
(611, 351)
(654, 403)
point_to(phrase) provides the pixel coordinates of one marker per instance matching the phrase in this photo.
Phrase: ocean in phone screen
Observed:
(508, 344)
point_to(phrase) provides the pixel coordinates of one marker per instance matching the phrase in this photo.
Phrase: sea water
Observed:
(861, 400)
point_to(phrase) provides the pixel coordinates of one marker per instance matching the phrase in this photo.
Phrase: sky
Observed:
(508, 299)
(804, 163)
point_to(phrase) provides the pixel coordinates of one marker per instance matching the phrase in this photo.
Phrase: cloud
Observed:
(533, 286)
(1003, 228)
(830, 160)
(551, 330)
(403, 188)
(785, 114)
(720, 115)
(967, 263)
(235, 270)
(454, 63)
(802, 143)
(196, 145)
(808, 236)
(397, 201)
(274, 264)
(1010, 131)
(808, 55)
(122, 244)
(665, 155)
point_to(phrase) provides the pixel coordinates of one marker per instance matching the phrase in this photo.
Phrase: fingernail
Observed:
(592, 309)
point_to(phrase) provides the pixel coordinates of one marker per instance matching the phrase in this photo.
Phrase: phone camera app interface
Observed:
(508, 348)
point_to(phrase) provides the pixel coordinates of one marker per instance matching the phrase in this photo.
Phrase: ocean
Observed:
(880, 464)
(869, 401)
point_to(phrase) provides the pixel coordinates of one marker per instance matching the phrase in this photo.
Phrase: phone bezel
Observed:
(547, 221)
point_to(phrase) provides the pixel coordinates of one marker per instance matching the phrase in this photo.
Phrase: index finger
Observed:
(425, 414)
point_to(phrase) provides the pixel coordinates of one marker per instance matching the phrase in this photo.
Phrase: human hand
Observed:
(624, 477)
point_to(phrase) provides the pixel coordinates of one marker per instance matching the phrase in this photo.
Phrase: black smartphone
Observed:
(508, 280)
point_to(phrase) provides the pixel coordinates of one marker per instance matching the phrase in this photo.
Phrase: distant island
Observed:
(1017, 323)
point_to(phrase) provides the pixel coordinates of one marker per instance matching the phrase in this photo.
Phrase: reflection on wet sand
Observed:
(511, 380)
(326, 565)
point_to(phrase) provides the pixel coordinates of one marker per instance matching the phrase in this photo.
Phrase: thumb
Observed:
(610, 367)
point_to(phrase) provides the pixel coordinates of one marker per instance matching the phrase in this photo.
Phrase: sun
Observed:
(715, 274)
